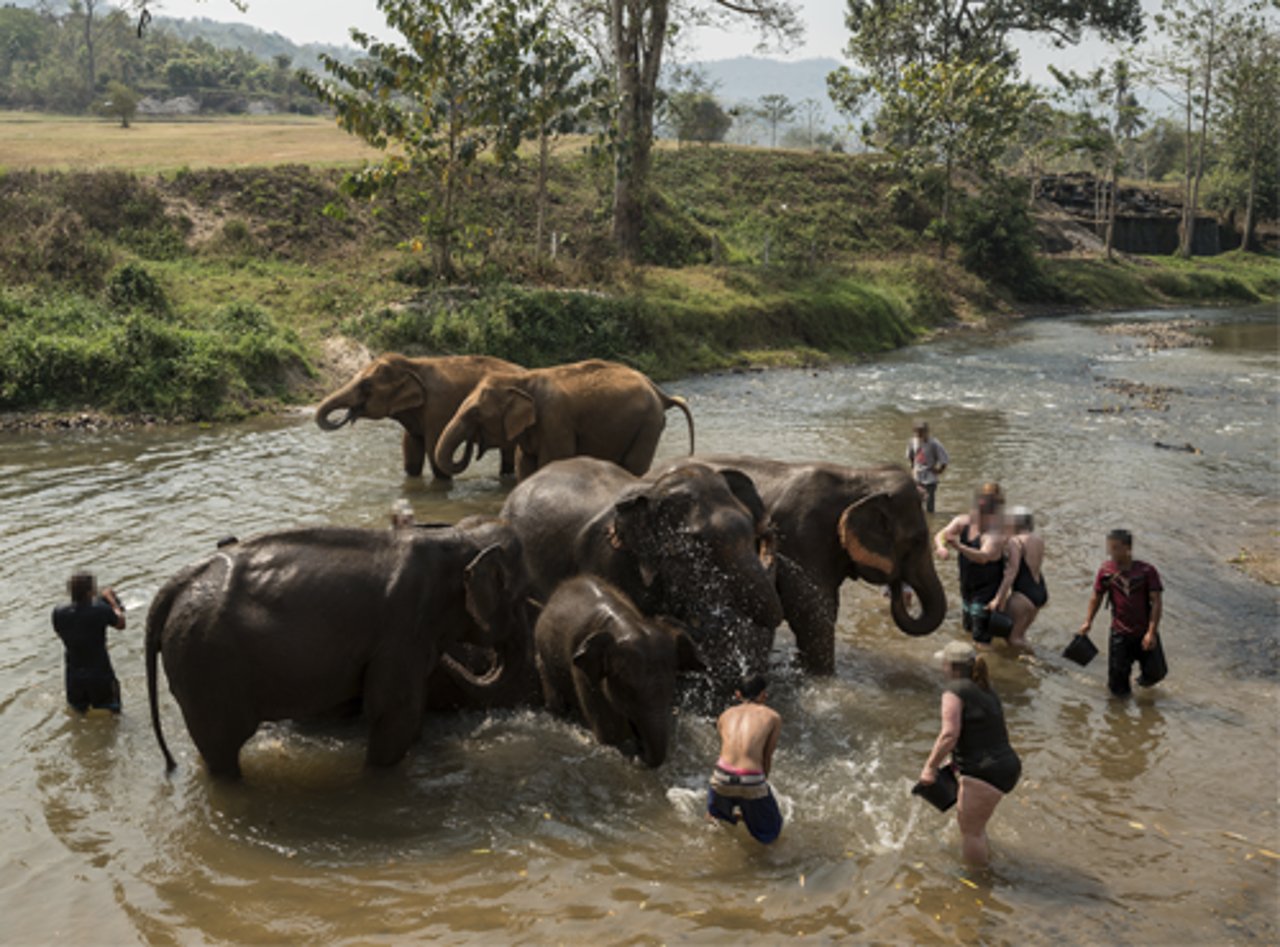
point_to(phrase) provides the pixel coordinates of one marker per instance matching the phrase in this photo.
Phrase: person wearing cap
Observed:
(82, 626)
(1136, 595)
(974, 736)
(928, 459)
(978, 537)
(1023, 591)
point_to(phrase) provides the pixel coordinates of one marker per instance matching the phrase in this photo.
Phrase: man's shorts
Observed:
(762, 816)
(93, 690)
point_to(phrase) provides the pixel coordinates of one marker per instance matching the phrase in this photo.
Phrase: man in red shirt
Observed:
(1134, 592)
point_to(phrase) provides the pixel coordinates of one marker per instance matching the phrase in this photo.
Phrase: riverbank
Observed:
(218, 294)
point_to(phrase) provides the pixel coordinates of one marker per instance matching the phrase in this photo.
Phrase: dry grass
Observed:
(47, 142)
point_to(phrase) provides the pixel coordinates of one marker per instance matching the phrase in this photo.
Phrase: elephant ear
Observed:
(487, 580)
(592, 655)
(866, 533)
(688, 657)
(410, 391)
(744, 489)
(520, 414)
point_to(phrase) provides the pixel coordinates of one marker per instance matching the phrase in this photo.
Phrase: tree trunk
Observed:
(91, 70)
(637, 52)
(544, 148)
(1204, 134)
(1111, 209)
(1246, 239)
(1184, 232)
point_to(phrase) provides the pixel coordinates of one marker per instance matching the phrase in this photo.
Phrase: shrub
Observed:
(132, 287)
(997, 240)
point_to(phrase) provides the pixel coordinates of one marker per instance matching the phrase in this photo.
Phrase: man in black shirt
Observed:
(82, 626)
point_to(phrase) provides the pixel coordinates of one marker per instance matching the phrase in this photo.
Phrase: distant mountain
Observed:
(259, 43)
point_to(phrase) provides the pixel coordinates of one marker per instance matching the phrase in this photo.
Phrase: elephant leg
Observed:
(639, 455)
(508, 468)
(391, 734)
(394, 702)
(810, 610)
(526, 464)
(414, 450)
(219, 738)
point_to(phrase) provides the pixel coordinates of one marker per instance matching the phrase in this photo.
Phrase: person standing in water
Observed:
(928, 459)
(82, 626)
(974, 736)
(1134, 591)
(1023, 591)
(740, 780)
(979, 540)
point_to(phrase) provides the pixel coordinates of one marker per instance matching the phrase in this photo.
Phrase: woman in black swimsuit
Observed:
(1022, 591)
(974, 734)
(978, 538)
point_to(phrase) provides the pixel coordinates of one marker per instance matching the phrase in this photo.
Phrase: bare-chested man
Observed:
(740, 782)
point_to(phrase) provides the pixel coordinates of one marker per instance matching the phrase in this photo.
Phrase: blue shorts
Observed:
(762, 816)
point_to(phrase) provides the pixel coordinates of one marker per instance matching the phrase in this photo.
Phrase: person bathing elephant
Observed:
(593, 408)
(296, 624)
(602, 661)
(834, 523)
(693, 544)
(420, 393)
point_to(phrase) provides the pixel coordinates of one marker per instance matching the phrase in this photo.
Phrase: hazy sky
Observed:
(825, 35)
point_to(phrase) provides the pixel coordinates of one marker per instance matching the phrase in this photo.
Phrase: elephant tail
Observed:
(156, 618)
(669, 401)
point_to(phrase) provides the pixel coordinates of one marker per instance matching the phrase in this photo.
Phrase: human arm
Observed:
(989, 550)
(113, 602)
(1010, 574)
(1095, 602)
(1153, 625)
(948, 535)
(942, 458)
(952, 708)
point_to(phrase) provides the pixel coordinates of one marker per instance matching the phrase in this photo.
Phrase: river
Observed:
(1147, 820)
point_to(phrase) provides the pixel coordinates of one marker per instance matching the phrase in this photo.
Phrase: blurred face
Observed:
(922, 432)
(1118, 551)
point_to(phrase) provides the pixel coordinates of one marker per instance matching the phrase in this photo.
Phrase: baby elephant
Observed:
(600, 659)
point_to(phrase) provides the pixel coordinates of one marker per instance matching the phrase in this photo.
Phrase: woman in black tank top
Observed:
(1022, 594)
(974, 735)
(978, 540)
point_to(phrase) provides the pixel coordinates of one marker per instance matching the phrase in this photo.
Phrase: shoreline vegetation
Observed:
(214, 294)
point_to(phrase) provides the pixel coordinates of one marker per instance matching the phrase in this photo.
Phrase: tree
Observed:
(1249, 114)
(638, 32)
(1106, 140)
(698, 116)
(775, 110)
(439, 100)
(120, 102)
(1195, 32)
(810, 112)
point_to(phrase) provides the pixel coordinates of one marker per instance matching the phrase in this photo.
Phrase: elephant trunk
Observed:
(337, 401)
(653, 736)
(927, 586)
(451, 439)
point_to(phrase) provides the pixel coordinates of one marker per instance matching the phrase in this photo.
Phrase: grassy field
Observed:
(52, 142)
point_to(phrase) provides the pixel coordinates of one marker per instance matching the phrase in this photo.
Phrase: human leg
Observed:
(930, 493)
(1120, 658)
(1023, 613)
(763, 818)
(976, 803)
(721, 808)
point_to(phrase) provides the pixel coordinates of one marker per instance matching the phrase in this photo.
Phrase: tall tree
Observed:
(638, 32)
(1249, 113)
(439, 100)
(810, 112)
(1195, 32)
(776, 109)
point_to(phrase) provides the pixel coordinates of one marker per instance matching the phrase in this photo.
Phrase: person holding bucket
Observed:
(979, 537)
(974, 736)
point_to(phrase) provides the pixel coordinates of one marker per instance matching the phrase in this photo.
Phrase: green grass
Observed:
(1155, 281)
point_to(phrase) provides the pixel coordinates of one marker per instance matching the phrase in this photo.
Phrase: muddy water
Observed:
(1151, 820)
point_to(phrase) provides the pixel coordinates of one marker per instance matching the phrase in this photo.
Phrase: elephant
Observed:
(601, 660)
(593, 408)
(422, 394)
(834, 523)
(693, 544)
(300, 623)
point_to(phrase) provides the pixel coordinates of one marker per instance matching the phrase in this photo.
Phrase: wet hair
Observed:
(1122, 536)
(753, 686)
(976, 670)
(80, 586)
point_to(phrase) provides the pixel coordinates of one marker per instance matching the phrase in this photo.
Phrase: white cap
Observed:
(957, 652)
